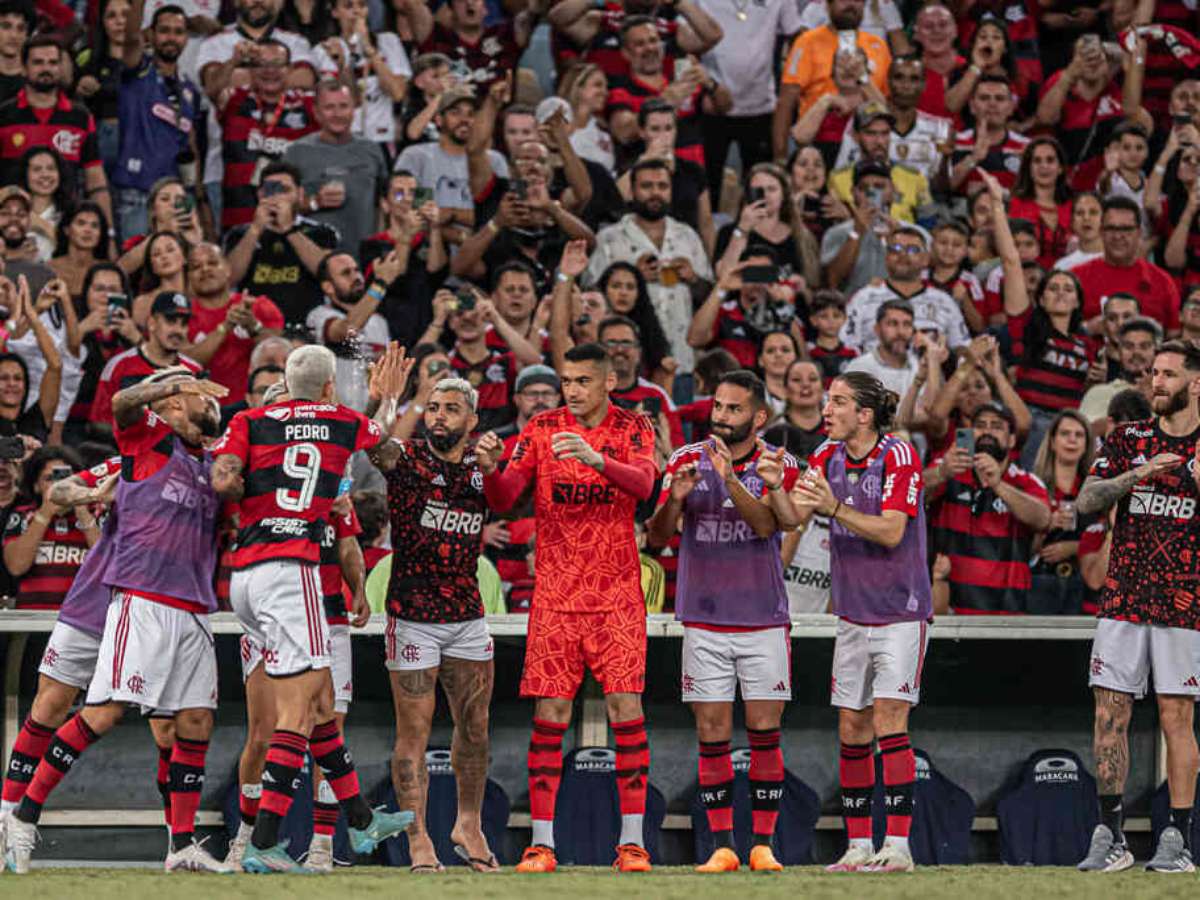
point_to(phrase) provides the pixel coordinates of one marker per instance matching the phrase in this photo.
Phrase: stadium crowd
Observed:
(266, 162)
(990, 206)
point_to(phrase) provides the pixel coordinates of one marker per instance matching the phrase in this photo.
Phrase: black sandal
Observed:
(477, 864)
(426, 869)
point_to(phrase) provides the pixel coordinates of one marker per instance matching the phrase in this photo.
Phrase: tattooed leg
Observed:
(414, 699)
(468, 686)
(1111, 740)
(1175, 715)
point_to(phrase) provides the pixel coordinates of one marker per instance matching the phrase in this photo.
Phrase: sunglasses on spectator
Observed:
(910, 249)
(59, 474)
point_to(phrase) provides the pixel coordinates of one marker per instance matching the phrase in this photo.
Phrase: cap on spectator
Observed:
(869, 112)
(548, 107)
(171, 303)
(537, 375)
(455, 96)
(7, 193)
(926, 325)
(998, 409)
(868, 166)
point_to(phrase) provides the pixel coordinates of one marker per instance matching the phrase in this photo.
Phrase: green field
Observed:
(677, 883)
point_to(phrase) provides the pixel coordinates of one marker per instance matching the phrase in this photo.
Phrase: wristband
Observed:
(836, 509)
(562, 278)
(493, 226)
(738, 233)
(854, 235)
(774, 488)
(375, 293)
(40, 519)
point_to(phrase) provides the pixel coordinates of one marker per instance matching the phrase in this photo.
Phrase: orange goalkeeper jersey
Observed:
(585, 550)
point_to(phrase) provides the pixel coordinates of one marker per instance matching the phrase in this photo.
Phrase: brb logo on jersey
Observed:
(591, 494)
(714, 530)
(1144, 502)
(441, 517)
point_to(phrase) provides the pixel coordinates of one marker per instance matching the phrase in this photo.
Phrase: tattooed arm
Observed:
(227, 477)
(73, 492)
(129, 403)
(1099, 494)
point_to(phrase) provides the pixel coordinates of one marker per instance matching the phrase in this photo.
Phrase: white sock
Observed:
(900, 843)
(7, 806)
(862, 844)
(325, 793)
(631, 830)
(244, 831)
(543, 832)
(324, 840)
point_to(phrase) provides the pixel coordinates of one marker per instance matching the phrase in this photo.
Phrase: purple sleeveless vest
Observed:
(873, 584)
(166, 540)
(727, 575)
(86, 603)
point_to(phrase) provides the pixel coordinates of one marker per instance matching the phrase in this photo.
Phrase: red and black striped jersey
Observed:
(56, 560)
(482, 62)
(97, 473)
(125, 370)
(294, 455)
(831, 362)
(1019, 19)
(1002, 162)
(334, 591)
(494, 377)
(989, 548)
(1084, 128)
(1163, 69)
(254, 133)
(67, 127)
(605, 49)
(630, 92)
(1057, 378)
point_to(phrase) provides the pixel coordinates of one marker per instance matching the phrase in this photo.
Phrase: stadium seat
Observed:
(297, 827)
(1160, 807)
(441, 808)
(798, 813)
(587, 816)
(942, 816)
(1047, 811)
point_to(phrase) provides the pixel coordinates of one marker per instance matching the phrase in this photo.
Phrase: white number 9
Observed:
(302, 461)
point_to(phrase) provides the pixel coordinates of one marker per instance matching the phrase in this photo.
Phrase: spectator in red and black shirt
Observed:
(258, 124)
(1085, 102)
(827, 315)
(986, 511)
(692, 92)
(44, 544)
(481, 54)
(166, 334)
(1052, 352)
(41, 115)
(991, 146)
(684, 28)
(1042, 196)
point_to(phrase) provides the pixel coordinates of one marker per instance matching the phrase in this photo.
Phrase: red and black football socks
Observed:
(766, 782)
(64, 750)
(330, 753)
(899, 773)
(281, 778)
(545, 762)
(32, 741)
(716, 790)
(857, 774)
(187, 782)
(633, 773)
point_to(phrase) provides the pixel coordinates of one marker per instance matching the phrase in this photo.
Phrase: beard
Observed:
(168, 52)
(651, 212)
(14, 239)
(845, 21)
(352, 296)
(989, 445)
(446, 441)
(42, 83)
(1168, 406)
(732, 434)
(255, 19)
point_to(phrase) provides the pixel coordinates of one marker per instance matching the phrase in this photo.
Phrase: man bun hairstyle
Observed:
(870, 393)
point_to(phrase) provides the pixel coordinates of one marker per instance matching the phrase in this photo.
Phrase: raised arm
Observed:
(1016, 298)
(1098, 494)
(130, 404)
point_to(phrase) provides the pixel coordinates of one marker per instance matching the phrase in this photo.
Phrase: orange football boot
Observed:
(537, 858)
(723, 859)
(763, 860)
(632, 858)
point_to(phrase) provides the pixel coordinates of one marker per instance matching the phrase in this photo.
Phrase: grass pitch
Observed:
(668, 883)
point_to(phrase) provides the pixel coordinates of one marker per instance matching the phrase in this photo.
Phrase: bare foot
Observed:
(422, 852)
(471, 841)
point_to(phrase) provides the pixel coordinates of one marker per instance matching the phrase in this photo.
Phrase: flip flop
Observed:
(477, 864)
(426, 869)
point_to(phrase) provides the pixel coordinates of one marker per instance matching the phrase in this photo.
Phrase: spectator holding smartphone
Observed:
(17, 415)
(44, 543)
(277, 254)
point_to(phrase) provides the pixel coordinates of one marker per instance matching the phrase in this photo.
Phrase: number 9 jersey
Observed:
(294, 455)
